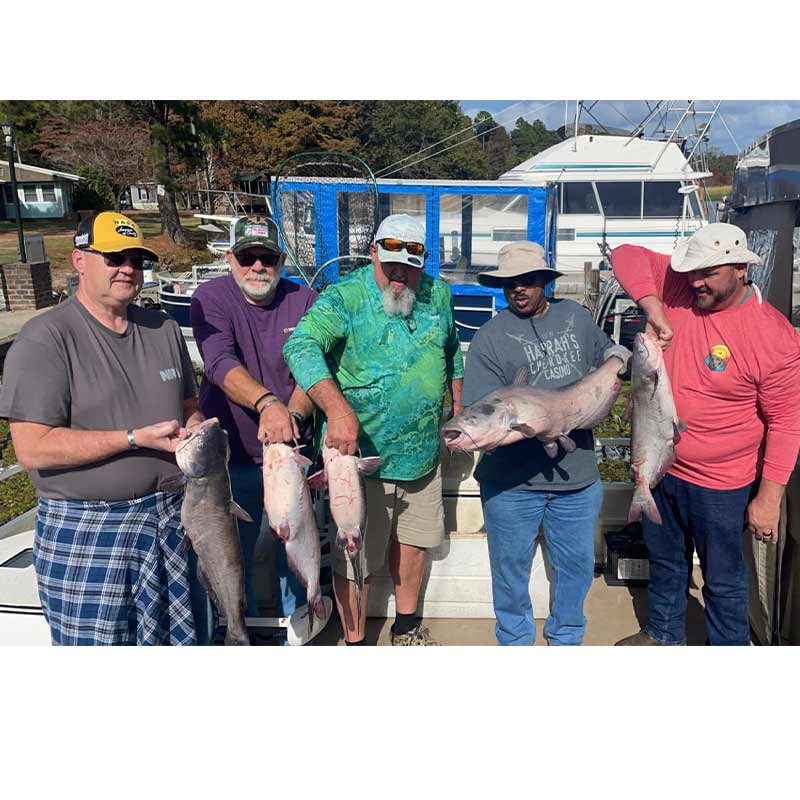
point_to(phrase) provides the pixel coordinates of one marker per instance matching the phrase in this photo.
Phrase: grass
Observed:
(17, 494)
(718, 192)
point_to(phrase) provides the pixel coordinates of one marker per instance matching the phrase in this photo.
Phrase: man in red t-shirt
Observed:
(734, 364)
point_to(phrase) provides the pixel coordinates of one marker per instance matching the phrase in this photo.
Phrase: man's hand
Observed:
(343, 432)
(275, 424)
(161, 436)
(658, 325)
(763, 517)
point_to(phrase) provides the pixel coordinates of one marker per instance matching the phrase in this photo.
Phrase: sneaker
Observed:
(297, 632)
(416, 636)
(641, 638)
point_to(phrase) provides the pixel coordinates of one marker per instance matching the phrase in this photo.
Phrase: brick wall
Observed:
(27, 286)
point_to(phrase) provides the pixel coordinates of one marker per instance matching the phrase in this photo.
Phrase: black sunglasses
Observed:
(116, 260)
(266, 259)
(528, 279)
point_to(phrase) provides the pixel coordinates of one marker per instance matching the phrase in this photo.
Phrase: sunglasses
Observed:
(527, 280)
(396, 245)
(266, 259)
(116, 260)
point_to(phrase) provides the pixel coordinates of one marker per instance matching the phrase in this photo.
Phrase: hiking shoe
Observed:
(641, 638)
(416, 636)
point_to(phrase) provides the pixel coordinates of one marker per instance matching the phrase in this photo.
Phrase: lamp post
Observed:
(8, 133)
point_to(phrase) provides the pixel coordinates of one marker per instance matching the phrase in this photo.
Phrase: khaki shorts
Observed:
(411, 511)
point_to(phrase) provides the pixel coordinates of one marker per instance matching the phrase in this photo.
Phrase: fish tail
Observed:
(643, 503)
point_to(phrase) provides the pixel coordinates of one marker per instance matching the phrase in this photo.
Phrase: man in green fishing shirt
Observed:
(376, 353)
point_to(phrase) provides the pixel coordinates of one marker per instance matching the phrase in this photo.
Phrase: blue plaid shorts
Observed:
(112, 573)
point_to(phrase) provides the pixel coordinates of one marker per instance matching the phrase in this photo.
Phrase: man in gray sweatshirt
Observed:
(521, 486)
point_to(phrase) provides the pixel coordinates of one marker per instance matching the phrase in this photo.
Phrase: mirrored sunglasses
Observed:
(396, 245)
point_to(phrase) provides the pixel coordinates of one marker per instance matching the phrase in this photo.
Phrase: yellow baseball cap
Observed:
(110, 232)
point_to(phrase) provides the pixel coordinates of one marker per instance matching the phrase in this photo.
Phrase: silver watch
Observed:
(131, 441)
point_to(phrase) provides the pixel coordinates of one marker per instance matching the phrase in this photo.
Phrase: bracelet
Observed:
(131, 441)
(266, 394)
(268, 404)
(333, 419)
(298, 418)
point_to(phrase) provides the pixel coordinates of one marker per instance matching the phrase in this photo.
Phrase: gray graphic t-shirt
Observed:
(558, 348)
(66, 369)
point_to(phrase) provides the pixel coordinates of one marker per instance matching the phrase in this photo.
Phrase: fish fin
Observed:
(567, 443)
(238, 512)
(524, 429)
(185, 544)
(319, 480)
(368, 465)
(628, 413)
(551, 448)
(310, 619)
(209, 589)
(678, 427)
(521, 377)
(302, 460)
(643, 503)
(282, 531)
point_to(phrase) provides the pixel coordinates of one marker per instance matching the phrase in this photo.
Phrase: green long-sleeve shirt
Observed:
(392, 370)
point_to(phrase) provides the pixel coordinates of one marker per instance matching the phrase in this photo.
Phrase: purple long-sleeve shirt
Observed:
(231, 332)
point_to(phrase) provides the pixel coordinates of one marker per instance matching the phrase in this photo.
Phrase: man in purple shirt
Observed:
(241, 322)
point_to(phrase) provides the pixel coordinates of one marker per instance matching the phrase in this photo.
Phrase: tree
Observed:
(108, 150)
(173, 137)
(495, 143)
(432, 138)
(530, 138)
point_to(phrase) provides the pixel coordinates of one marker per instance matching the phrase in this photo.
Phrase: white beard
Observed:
(399, 304)
(256, 291)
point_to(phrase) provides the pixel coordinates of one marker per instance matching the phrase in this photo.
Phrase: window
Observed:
(29, 192)
(661, 199)
(144, 193)
(565, 234)
(579, 198)
(509, 235)
(8, 194)
(474, 227)
(48, 193)
(621, 199)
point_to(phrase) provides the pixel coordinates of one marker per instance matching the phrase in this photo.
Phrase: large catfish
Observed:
(655, 425)
(343, 476)
(518, 412)
(287, 501)
(209, 517)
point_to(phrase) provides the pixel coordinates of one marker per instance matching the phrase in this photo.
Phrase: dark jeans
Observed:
(713, 521)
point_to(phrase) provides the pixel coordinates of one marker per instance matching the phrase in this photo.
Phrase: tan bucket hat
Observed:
(713, 245)
(515, 259)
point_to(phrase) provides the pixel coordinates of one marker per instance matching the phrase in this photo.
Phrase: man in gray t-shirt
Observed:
(521, 486)
(98, 392)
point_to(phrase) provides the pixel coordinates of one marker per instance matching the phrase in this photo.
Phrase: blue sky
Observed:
(746, 119)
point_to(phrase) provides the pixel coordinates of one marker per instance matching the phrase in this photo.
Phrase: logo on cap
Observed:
(257, 230)
(125, 230)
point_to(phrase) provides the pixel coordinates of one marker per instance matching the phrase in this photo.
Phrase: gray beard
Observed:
(398, 305)
(264, 290)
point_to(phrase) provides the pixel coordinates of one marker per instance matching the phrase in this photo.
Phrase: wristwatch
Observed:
(131, 441)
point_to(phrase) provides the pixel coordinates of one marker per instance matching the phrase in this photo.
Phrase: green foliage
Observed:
(615, 469)
(615, 425)
(17, 494)
(530, 138)
(391, 130)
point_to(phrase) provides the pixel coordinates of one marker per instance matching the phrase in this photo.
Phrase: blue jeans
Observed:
(512, 520)
(712, 520)
(247, 487)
